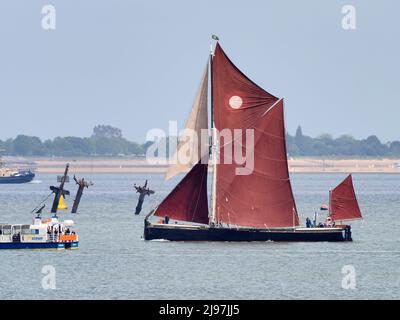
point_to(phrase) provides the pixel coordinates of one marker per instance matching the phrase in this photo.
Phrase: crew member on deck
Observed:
(329, 222)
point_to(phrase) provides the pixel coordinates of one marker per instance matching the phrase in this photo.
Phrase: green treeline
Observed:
(105, 141)
(108, 141)
(344, 146)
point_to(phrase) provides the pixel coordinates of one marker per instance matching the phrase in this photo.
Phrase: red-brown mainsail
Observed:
(344, 204)
(263, 198)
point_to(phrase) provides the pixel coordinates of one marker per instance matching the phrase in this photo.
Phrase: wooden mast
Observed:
(213, 218)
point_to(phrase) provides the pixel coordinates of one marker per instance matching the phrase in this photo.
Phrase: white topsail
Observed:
(192, 145)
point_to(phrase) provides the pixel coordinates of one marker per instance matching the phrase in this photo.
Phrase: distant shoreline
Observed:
(140, 165)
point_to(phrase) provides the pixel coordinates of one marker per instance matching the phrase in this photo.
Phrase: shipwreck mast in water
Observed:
(59, 191)
(82, 183)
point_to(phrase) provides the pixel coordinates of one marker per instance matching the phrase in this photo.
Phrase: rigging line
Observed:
(199, 193)
(346, 199)
(159, 185)
(254, 123)
(275, 189)
(232, 212)
(261, 174)
(42, 201)
(269, 134)
(258, 205)
(256, 152)
(350, 219)
(243, 146)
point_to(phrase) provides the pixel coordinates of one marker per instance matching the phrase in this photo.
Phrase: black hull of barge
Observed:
(177, 233)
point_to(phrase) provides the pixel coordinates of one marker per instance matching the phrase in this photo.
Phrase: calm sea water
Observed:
(114, 262)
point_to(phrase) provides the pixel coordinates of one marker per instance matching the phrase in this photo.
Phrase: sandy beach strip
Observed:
(140, 165)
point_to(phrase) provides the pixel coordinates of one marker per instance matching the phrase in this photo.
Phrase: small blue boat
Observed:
(17, 177)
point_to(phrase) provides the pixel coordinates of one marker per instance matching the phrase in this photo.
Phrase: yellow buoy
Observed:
(61, 204)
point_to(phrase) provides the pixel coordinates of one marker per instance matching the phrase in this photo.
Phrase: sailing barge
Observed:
(257, 206)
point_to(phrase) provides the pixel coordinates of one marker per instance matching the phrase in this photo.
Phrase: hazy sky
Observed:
(136, 64)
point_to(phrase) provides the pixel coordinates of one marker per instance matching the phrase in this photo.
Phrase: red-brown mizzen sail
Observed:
(188, 201)
(264, 198)
(344, 204)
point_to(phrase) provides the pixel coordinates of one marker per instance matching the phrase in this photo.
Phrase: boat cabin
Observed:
(50, 230)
